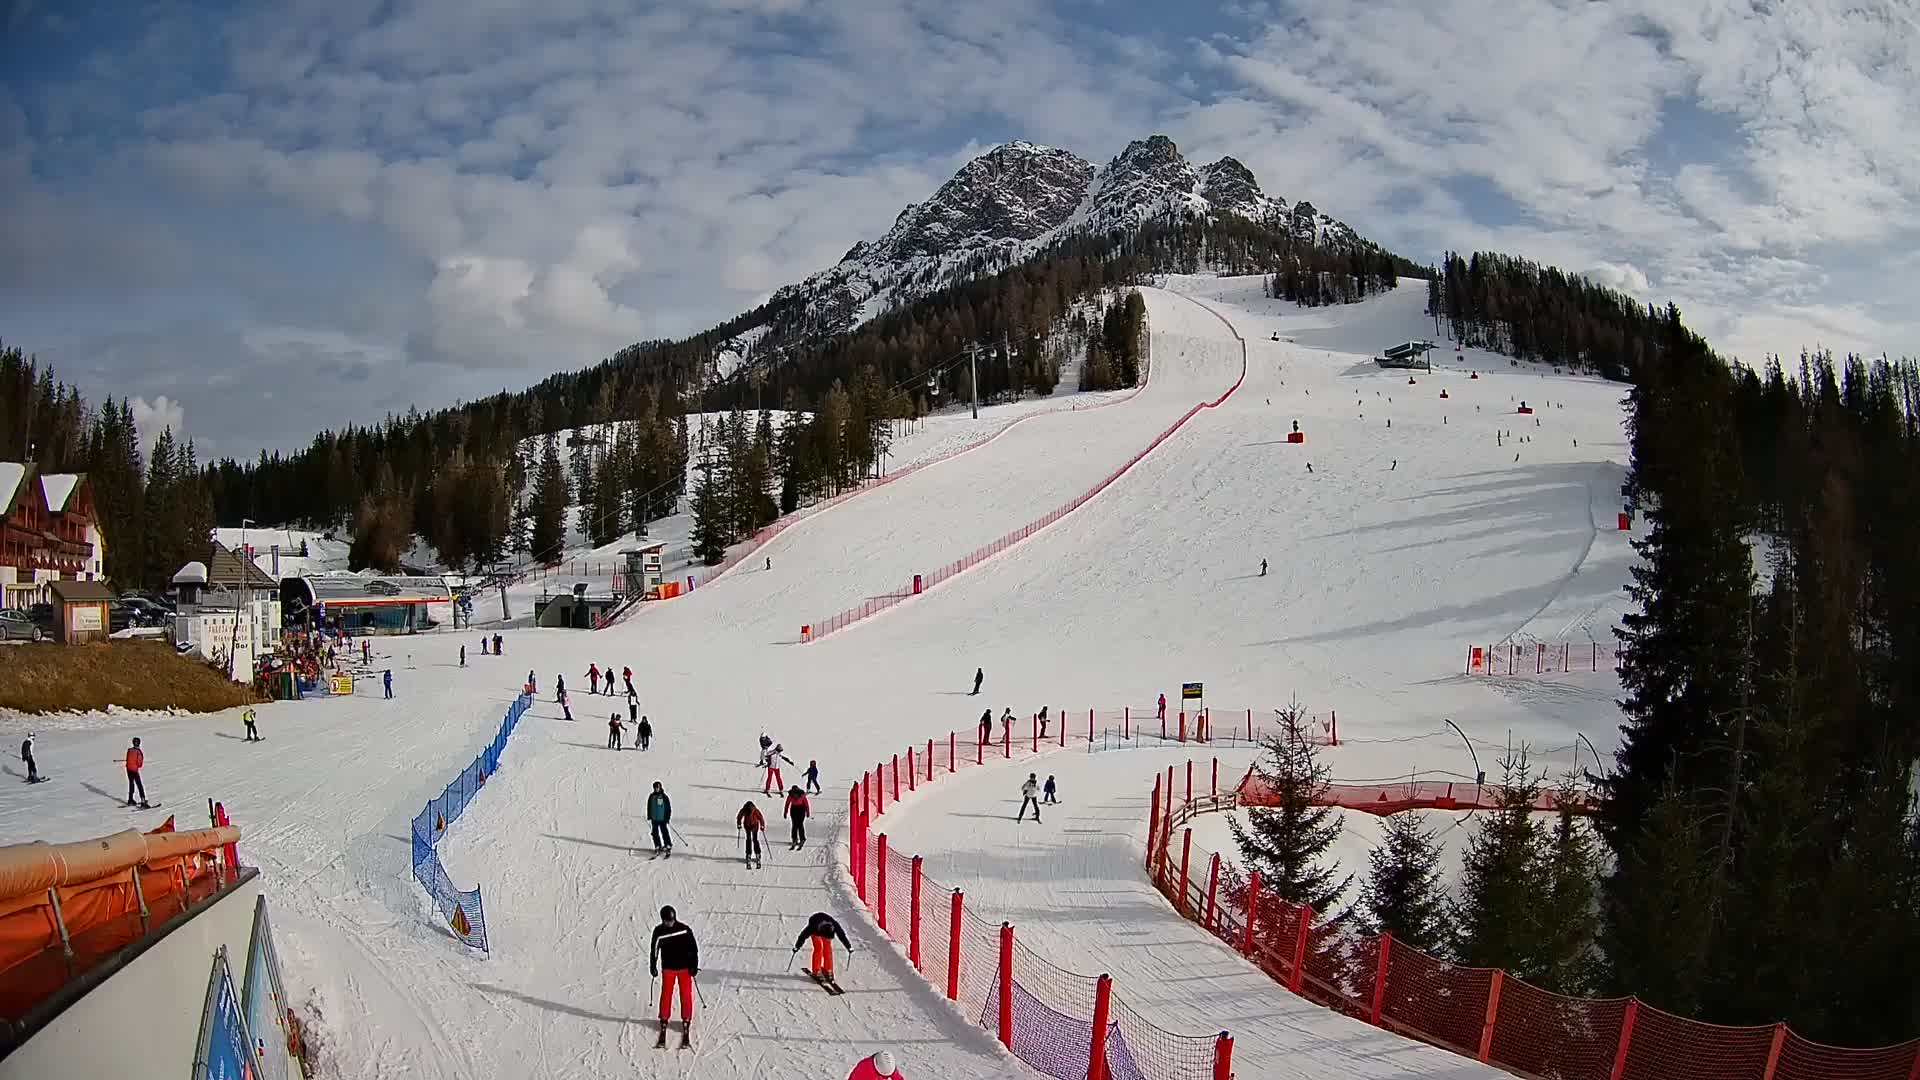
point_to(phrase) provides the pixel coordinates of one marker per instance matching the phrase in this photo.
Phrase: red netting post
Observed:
(1915, 1074)
(856, 841)
(1380, 979)
(896, 778)
(1493, 1014)
(1006, 741)
(880, 905)
(1153, 821)
(1163, 727)
(1333, 726)
(911, 774)
(952, 738)
(1223, 1057)
(929, 761)
(1215, 789)
(1253, 913)
(1089, 727)
(1213, 887)
(1035, 723)
(913, 932)
(1300, 947)
(1626, 1040)
(1189, 801)
(879, 792)
(1249, 725)
(1102, 1009)
(1773, 1051)
(1186, 856)
(1063, 729)
(1183, 725)
(953, 949)
(1006, 985)
(980, 752)
(1126, 723)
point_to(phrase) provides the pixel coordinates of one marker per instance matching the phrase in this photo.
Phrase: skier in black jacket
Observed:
(822, 928)
(674, 950)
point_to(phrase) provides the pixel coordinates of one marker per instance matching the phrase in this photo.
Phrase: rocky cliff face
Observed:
(1010, 202)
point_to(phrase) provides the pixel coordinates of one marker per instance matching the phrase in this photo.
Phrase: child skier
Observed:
(136, 760)
(822, 929)
(615, 729)
(633, 707)
(660, 814)
(1047, 790)
(247, 718)
(770, 761)
(386, 678)
(880, 1066)
(643, 733)
(798, 810)
(813, 777)
(754, 823)
(566, 709)
(674, 949)
(1029, 793)
(1006, 724)
(26, 755)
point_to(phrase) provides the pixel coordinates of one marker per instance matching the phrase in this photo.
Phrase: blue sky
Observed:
(260, 219)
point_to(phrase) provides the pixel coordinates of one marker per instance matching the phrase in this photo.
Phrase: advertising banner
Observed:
(226, 1050)
(263, 1001)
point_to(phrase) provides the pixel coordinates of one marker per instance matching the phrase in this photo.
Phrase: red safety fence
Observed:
(874, 605)
(1481, 1013)
(1517, 658)
(1059, 1022)
(1148, 725)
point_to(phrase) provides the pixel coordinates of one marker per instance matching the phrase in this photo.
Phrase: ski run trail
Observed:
(1380, 576)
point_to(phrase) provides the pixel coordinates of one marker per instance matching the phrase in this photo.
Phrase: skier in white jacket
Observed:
(1030, 796)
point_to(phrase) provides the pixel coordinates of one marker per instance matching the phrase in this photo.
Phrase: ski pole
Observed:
(677, 836)
(790, 957)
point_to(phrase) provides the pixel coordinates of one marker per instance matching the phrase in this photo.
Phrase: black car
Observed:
(42, 616)
(144, 611)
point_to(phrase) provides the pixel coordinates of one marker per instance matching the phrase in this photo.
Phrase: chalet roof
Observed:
(13, 477)
(59, 489)
(67, 591)
(228, 569)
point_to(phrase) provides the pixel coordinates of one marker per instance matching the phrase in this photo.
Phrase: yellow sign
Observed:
(342, 684)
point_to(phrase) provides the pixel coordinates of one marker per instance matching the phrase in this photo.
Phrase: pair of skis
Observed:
(826, 982)
(686, 1039)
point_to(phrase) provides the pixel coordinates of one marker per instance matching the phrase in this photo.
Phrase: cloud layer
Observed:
(322, 213)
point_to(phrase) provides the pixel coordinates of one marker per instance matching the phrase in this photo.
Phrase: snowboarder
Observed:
(798, 810)
(643, 733)
(247, 718)
(822, 928)
(26, 755)
(660, 815)
(463, 656)
(878, 1067)
(754, 823)
(986, 726)
(386, 680)
(1029, 795)
(674, 950)
(813, 776)
(1047, 790)
(136, 760)
(566, 707)
(615, 729)
(979, 675)
(1162, 707)
(1263, 568)
(770, 761)
(593, 679)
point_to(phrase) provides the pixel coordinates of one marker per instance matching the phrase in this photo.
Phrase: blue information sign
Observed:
(226, 1051)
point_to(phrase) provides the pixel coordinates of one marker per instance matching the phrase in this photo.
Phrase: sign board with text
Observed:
(1190, 691)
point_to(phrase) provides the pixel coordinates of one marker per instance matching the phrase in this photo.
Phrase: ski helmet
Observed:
(666, 913)
(883, 1063)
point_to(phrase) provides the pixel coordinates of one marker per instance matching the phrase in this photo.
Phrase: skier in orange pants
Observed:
(822, 928)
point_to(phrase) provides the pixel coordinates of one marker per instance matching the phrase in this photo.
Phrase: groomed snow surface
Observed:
(1380, 577)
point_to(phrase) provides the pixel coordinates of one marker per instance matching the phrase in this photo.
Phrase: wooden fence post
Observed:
(1380, 979)
(1213, 888)
(1493, 1014)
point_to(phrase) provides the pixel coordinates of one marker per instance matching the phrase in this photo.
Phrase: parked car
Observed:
(120, 616)
(144, 612)
(42, 617)
(17, 626)
(152, 598)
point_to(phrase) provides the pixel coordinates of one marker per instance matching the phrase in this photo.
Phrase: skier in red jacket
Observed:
(799, 811)
(878, 1067)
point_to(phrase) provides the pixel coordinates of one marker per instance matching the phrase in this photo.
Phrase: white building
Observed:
(221, 624)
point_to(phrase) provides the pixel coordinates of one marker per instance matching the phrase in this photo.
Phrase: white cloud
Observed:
(151, 418)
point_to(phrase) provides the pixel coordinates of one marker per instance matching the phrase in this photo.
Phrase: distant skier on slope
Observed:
(1047, 791)
(626, 673)
(566, 707)
(979, 676)
(643, 733)
(770, 761)
(615, 729)
(822, 929)
(247, 717)
(26, 756)
(659, 815)
(1029, 796)
(797, 810)
(879, 1066)
(496, 645)
(1162, 707)
(559, 686)
(136, 760)
(675, 950)
(1006, 724)
(593, 679)
(754, 823)
(813, 776)
(1263, 568)
(1043, 721)
(986, 726)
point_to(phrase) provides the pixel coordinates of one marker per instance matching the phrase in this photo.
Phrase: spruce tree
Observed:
(1402, 894)
(709, 535)
(1654, 931)
(1569, 916)
(548, 510)
(1288, 842)
(1497, 910)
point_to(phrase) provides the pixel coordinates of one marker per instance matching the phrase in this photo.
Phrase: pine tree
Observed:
(1496, 914)
(549, 505)
(1568, 918)
(1654, 932)
(709, 535)
(1288, 842)
(1402, 894)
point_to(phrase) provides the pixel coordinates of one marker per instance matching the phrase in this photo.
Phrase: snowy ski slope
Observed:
(1379, 578)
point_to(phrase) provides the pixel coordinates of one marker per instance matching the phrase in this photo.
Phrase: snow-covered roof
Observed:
(58, 487)
(11, 473)
(194, 573)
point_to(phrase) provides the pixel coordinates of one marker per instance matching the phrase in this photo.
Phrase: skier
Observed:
(1006, 724)
(483, 644)
(136, 760)
(986, 726)
(1263, 568)
(1163, 707)
(626, 673)
(660, 814)
(813, 776)
(247, 718)
(1395, 466)
(979, 674)
(609, 686)
(1047, 790)
(463, 656)
(643, 733)
(615, 729)
(1043, 721)
(798, 810)
(754, 823)
(366, 652)
(878, 1067)
(769, 562)
(496, 644)
(533, 685)
(770, 761)
(822, 928)
(593, 679)
(1029, 794)
(26, 755)
(559, 686)
(674, 949)
(386, 679)
(566, 707)
(633, 707)
(1309, 467)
